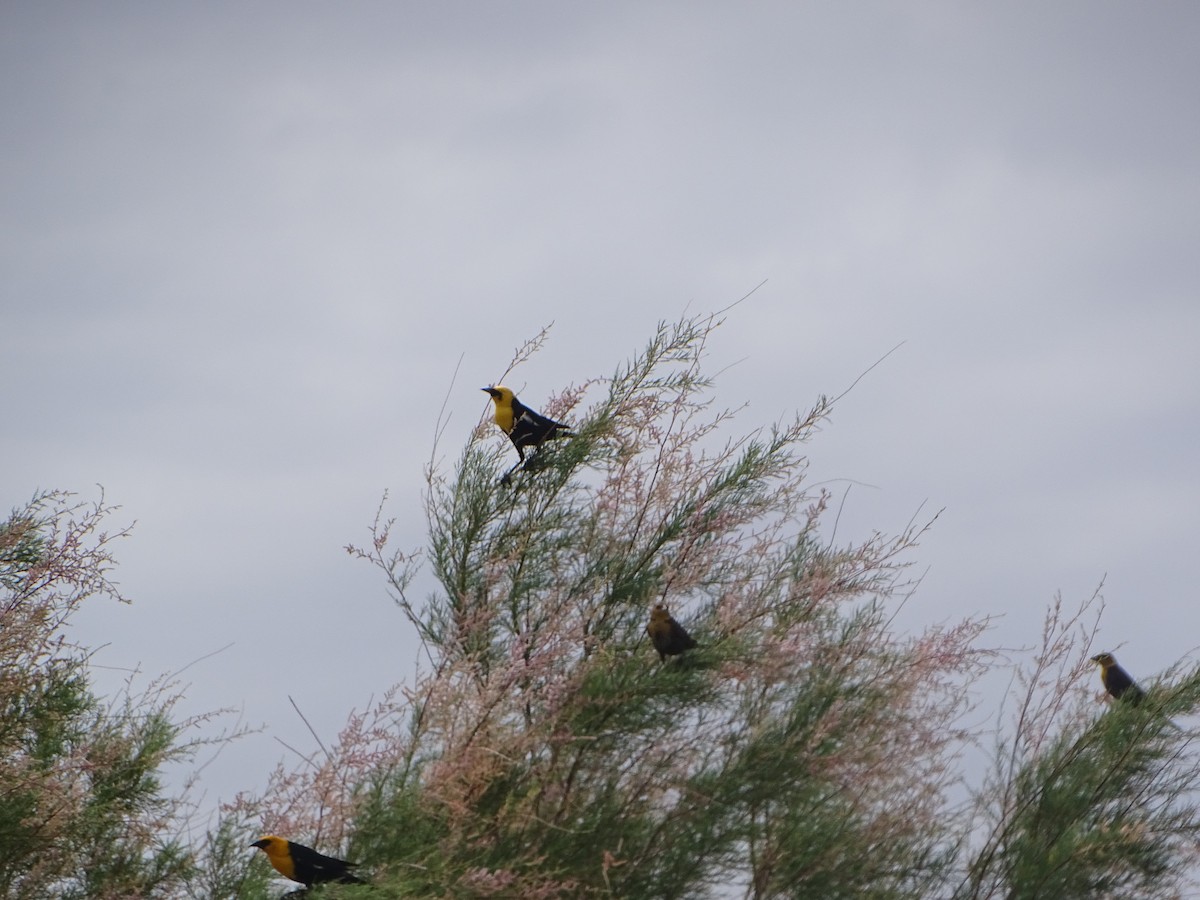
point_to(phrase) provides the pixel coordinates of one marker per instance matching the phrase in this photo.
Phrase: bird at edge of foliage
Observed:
(524, 427)
(304, 864)
(668, 636)
(1116, 680)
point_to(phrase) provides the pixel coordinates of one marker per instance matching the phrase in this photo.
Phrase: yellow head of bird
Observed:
(278, 855)
(503, 398)
(500, 394)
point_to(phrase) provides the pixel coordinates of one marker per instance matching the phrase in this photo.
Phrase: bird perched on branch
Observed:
(668, 636)
(304, 864)
(1116, 680)
(524, 427)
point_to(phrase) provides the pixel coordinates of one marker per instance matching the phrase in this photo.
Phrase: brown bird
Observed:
(304, 864)
(668, 636)
(1116, 680)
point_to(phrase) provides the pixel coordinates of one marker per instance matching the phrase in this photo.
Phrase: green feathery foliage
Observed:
(556, 756)
(1107, 808)
(82, 811)
(804, 748)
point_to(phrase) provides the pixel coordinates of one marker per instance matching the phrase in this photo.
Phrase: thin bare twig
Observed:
(311, 730)
(865, 372)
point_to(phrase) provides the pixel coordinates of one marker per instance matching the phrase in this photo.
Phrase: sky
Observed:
(247, 247)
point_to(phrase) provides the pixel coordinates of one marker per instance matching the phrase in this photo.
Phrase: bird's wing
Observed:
(1117, 680)
(531, 427)
(680, 636)
(312, 866)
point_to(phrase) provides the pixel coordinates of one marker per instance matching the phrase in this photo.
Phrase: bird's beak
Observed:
(491, 390)
(1096, 658)
(260, 844)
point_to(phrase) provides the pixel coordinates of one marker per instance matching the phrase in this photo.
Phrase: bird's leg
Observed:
(506, 478)
(533, 464)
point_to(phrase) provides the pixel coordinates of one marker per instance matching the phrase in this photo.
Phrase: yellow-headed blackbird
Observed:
(304, 864)
(668, 636)
(524, 427)
(1116, 680)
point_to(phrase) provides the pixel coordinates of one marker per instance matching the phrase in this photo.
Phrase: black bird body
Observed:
(304, 864)
(1116, 680)
(524, 427)
(668, 636)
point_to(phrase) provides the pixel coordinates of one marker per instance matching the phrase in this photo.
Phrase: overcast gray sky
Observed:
(245, 245)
